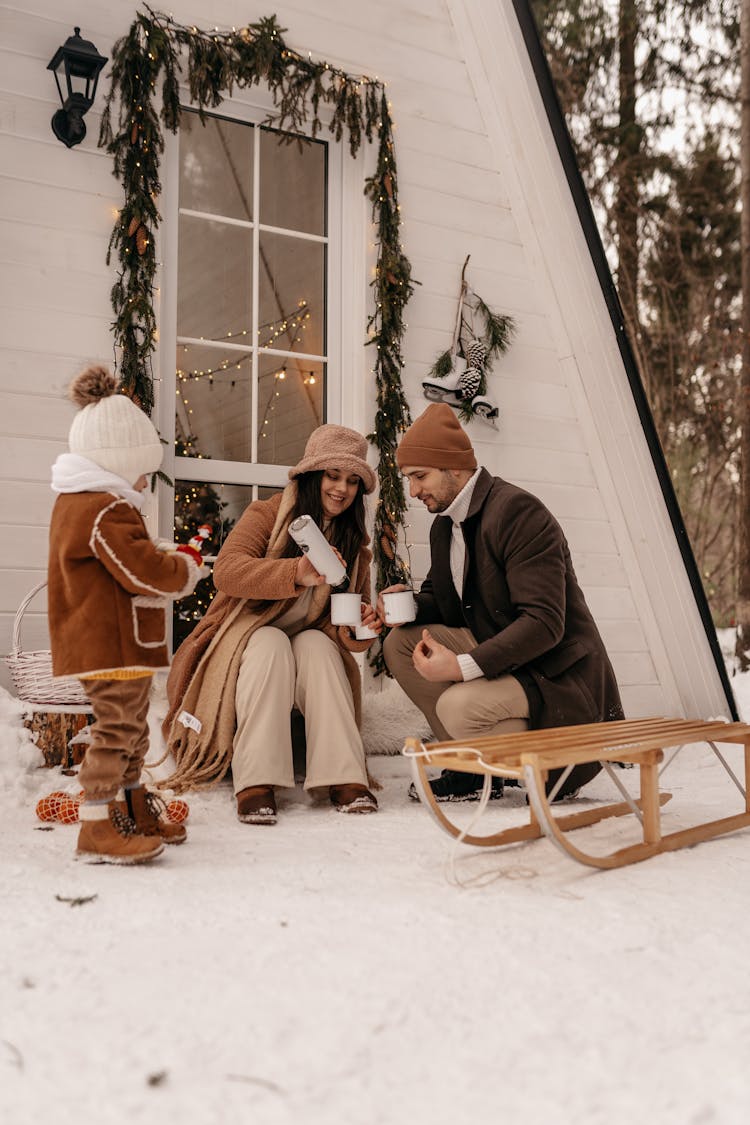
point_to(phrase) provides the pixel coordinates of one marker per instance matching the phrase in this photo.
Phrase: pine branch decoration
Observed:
(442, 366)
(480, 336)
(498, 329)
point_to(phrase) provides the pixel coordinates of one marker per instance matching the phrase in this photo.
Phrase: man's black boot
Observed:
(454, 785)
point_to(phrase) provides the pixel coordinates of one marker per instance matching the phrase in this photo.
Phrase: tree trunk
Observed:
(743, 579)
(626, 172)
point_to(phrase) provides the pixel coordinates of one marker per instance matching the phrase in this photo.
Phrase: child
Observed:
(108, 587)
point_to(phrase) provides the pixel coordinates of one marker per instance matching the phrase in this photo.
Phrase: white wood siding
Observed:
(478, 175)
(57, 209)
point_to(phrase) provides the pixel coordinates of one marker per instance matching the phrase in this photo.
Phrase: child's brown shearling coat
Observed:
(109, 587)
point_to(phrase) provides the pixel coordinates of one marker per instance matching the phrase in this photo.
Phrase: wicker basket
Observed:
(32, 673)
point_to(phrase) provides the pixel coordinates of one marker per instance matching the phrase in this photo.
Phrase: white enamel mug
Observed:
(399, 607)
(346, 609)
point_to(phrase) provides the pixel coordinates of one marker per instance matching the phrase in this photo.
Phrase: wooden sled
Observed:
(528, 756)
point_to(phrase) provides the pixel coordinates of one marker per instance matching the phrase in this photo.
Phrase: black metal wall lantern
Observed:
(77, 60)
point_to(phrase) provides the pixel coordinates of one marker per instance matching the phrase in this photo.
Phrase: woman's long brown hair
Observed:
(346, 532)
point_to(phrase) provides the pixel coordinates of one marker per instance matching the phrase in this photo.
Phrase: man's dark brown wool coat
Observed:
(523, 604)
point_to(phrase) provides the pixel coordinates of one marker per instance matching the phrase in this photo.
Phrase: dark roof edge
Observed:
(582, 203)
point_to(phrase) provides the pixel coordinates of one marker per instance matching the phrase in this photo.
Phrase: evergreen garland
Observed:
(154, 50)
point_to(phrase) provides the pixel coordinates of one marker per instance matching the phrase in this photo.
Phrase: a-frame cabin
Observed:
(485, 168)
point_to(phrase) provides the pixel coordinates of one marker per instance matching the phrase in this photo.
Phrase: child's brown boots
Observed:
(106, 836)
(149, 813)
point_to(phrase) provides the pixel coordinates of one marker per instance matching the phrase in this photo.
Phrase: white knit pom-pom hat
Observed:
(110, 429)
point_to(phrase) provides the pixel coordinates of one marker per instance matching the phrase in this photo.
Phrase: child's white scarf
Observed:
(73, 473)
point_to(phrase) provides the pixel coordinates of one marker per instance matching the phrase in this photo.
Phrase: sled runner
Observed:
(530, 755)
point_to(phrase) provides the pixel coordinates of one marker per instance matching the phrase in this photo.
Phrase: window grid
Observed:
(254, 350)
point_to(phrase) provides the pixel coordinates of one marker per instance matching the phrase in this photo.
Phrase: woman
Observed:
(267, 644)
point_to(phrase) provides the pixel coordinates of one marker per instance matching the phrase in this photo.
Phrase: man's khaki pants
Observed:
(119, 736)
(455, 710)
(278, 672)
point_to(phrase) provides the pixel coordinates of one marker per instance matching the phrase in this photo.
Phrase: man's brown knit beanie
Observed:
(437, 441)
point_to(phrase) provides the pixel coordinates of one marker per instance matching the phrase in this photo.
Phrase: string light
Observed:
(285, 323)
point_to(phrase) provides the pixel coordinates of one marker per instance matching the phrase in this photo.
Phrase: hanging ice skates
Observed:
(459, 376)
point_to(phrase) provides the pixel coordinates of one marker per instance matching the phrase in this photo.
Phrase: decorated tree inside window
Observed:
(195, 505)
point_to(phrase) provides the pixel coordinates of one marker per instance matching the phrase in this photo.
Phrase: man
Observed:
(503, 639)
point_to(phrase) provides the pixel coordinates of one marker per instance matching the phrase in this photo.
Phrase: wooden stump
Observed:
(53, 730)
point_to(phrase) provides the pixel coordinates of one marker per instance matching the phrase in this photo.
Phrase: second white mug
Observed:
(399, 607)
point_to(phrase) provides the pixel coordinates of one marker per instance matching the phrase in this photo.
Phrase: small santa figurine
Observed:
(194, 546)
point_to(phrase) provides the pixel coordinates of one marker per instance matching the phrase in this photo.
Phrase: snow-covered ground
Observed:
(360, 970)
